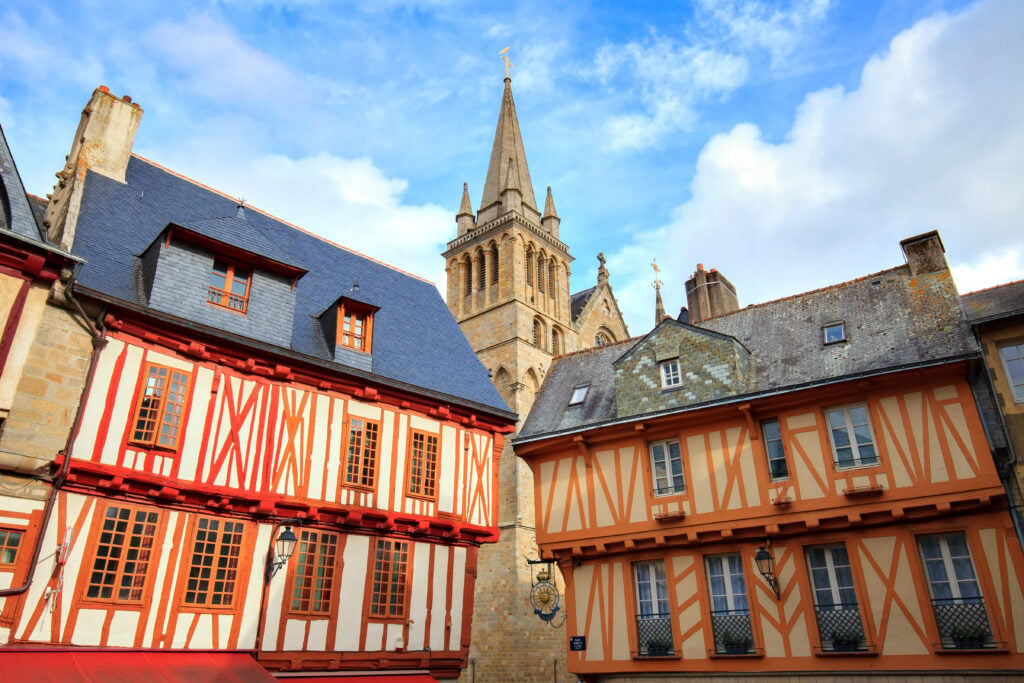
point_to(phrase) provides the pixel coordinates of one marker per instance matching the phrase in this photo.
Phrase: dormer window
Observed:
(833, 333)
(670, 375)
(229, 285)
(579, 394)
(355, 325)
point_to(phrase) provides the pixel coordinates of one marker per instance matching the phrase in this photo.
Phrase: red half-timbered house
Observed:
(801, 488)
(257, 384)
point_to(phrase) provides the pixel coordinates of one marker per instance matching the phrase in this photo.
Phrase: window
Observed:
(213, 570)
(10, 541)
(833, 333)
(529, 267)
(653, 618)
(670, 376)
(361, 467)
(852, 442)
(1013, 361)
(229, 286)
(556, 342)
(956, 599)
(603, 337)
(773, 446)
(667, 468)
(835, 599)
(482, 265)
(314, 572)
(123, 553)
(389, 568)
(423, 465)
(494, 264)
(551, 279)
(159, 407)
(730, 612)
(579, 394)
(540, 273)
(538, 333)
(467, 271)
(355, 325)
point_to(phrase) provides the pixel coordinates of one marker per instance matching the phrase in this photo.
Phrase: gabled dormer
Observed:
(347, 326)
(222, 273)
(677, 365)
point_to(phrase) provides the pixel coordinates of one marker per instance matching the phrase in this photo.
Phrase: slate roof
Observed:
(893, 320)
(416, 340)
(15, 211)
(995, 302)
(578, 301)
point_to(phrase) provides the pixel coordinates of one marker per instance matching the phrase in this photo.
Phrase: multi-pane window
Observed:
(667, 468)
(389, 569)
(956, 598)
(773, 447)
(1013, 361)
(423, 465)
(229, 285)
(670, 375)
(835, 598)
(361, 466)
(355, 326)
(653, 618)
(10, 541)
(213, 571)
(314, 572)
(730, 611)
(124, 550)
(852, 442)
(160, 406)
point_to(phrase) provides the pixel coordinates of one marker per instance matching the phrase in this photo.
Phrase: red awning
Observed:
(384, 678)
(113, 666)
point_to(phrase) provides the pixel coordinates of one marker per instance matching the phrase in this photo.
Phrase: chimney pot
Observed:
(700, 266)
(104, 88)
(126, 98)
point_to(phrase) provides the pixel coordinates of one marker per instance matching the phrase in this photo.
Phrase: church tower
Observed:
(508, 287)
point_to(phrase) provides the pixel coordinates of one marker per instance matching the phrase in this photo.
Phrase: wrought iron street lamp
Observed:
(766, 565)
(284, 547)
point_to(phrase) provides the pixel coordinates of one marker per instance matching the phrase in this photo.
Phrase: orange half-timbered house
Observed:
(799, 488)
(254, 383)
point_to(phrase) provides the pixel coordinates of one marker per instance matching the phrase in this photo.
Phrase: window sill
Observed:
(856, 491)
(656, 658)
(670, 516)
(756, 654)
(841, 469)
(999, 649)
(870, 651)
(782, 501)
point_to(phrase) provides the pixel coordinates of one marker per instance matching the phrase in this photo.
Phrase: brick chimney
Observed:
(709, 294)
(103, 144)
(925, 253)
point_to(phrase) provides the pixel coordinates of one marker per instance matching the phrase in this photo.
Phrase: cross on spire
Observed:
(504, 58)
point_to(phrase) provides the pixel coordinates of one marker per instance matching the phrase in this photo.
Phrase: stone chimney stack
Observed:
(709, 294)
(103, 144)
(925, 253)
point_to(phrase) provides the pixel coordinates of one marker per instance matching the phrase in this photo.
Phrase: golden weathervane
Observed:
(504, 58)
(657, 283)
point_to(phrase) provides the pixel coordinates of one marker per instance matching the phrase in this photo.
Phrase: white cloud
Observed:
(930, 139)
(777, 27)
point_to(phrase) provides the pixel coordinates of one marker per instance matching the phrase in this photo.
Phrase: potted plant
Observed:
(968, 637)
(658, 648)
(736, 644)
(845, 641)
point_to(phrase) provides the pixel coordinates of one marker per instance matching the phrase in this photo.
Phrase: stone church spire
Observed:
(550, 220)
(508, 163)
(464, 218)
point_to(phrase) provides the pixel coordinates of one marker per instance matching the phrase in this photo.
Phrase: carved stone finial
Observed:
(602, 272)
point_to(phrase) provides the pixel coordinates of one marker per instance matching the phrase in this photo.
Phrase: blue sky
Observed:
(789, 144)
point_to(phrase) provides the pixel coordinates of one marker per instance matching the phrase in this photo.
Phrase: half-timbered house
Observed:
(798, 488)
(284, 448)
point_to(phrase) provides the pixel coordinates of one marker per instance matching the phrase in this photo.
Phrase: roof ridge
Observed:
(796, 296)
(281, 220)
(591, 349)
(989, 289)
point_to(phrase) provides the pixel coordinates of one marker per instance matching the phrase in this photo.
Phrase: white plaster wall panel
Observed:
(608, 469)
(448, 485)
(275, 594)
(374, 636)
(900, 636)
(202, 638)
(400, 463)
(422, 424)
(76, 554)
(292, 425)
(92, 413)
(163, 565)
(294, 634)
(153, 356)
(901, 445)
(458, 589)
(241, 445)
(696, 455)
(559, 492)
(88, 628)
(124, 624)
(440, 596)
(393, 637)
(334, 445)
(543, 485)
(357, 409)
(958, 441)
(317, 639)
(202, 381)
(224, 623)
(810, 444)
(319, 446)
(582, 584)
(5, 582)
(24, 506)
(124, 404)
(749, 485)
(352, 587)
(418, 600)
(385, 461)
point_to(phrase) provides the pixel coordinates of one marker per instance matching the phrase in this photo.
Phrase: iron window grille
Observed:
(733, 631)
(840, 628)
(654, 635)
(963, 624)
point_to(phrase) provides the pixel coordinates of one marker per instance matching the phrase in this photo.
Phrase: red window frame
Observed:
(390, 576)
(214, 571)
(124, 544)
(229, 285)
(355, 326)
(361, 453)
(160, 407)
(10, 543)
(313, 584)
(423, 449)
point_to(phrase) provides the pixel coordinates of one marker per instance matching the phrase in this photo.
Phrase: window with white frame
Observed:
(667, 468)
(579, 394)
(835, 598)
(670, 375)
(730, 611)
(852, 442)
(957, 603)
(777, 468)
(833, 333)
(653, 618)
(1013, 362)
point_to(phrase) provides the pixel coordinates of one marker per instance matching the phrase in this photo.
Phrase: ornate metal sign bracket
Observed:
(543, 592)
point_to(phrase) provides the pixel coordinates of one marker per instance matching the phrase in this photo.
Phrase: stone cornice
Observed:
(506, 220)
